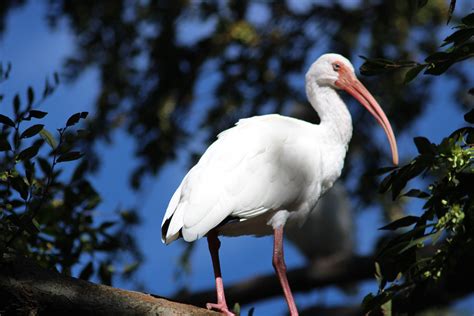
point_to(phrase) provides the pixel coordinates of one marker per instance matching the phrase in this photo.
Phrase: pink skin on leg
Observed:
(280, 268)
(214, 245)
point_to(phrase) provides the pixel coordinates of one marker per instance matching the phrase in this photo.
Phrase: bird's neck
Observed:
(335, 117)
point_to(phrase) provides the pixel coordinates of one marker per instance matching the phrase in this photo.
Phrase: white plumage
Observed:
(328, 232)
(270, 169)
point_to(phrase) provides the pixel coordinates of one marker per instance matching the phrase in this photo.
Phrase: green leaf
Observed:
(469, 116)
(6, 120)
(4, 144)
(130, 268)
(402, 222)
(415, 242)
(49, 138)
(32, 131)
(72, 155)
(412, 73)
(86, 273)
(29, 152)
(37, 114)
(75, 118)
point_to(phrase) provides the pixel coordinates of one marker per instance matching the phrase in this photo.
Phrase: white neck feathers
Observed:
(335, 117)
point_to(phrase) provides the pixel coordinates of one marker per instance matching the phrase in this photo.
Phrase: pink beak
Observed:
(348, 82)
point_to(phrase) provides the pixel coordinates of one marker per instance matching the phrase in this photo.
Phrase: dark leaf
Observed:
(29, 170)
(20, 186)
(75, 118)
(37, 114)
(46, 135)
(31, 96)
(69, 156)
(47, 88)
(16, 104)
(459, 37)
(44, 165)
(32, 131)
(86, 273)
(417, 193)
(386, 183)
(423, 145)
(469, 116)
(6, 120)
(437, 57)
(421, 3)
(106, 225)
(80, 170)
(412, 73)
(105, 273)
(468, 20)
(4, 144)
(56, 78)
(452, 5)
(383, 170)
(28, 153)
(29, 225)
(402, 222)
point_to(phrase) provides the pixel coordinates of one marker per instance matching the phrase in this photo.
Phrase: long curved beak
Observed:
(353, 86)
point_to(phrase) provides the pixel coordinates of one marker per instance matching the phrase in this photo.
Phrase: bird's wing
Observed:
(252, 168)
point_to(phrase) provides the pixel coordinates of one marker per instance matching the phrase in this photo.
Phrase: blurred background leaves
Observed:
(250, 56)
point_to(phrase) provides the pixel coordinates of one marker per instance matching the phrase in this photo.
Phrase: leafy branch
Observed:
(44, 215)
(424, 253)
(462, 47)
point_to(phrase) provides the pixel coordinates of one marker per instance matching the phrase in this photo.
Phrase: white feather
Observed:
(264, 171)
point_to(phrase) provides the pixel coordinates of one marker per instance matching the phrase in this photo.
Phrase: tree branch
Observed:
(26, 289)
(304, 279)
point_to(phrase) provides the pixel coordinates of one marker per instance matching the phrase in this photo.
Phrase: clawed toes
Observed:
(220, 308)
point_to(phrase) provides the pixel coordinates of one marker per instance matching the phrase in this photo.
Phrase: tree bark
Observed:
(26, 289)
(344, 272)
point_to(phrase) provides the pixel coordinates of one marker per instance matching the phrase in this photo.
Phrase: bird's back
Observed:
(262, 165)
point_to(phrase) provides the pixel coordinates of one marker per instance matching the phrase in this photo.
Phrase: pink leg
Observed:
(214, 245)
(280, 268)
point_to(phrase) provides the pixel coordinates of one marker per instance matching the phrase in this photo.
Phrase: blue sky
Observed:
(36, 52)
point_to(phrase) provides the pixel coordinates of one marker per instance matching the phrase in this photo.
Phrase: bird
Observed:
(269, 170)
(332, 221)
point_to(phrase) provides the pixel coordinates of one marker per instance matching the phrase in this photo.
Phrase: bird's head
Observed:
(336, 71)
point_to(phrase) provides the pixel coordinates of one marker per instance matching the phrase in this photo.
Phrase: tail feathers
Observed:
(171, 227)
(173, 219)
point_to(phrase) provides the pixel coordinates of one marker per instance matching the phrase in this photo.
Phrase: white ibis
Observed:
(327, 235)
(270, 169)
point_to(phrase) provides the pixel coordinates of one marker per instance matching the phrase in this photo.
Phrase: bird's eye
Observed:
(336, 66)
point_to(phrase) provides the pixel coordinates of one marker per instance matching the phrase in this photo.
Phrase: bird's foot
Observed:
(221, 307)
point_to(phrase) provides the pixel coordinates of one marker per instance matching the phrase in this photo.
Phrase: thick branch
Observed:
(303, 279)
(26, 289)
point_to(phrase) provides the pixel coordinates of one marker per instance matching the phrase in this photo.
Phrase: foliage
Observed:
(251, 55)
(432, 251)
(49, 209)
(445, 229)
(436, 63)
